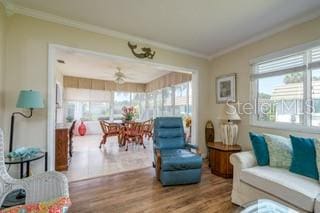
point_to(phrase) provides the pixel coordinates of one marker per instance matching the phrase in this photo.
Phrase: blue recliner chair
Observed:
(174, 161)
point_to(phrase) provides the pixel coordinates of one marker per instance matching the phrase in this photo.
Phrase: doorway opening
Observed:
(96, 99)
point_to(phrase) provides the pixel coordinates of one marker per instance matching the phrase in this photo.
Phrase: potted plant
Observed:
(128, 113)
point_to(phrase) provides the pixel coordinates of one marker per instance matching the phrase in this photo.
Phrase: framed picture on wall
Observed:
(226, 88)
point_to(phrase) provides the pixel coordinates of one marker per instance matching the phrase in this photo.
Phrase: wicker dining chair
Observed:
(109, 130)
(148, 129)
(133, 133)
(42, 187)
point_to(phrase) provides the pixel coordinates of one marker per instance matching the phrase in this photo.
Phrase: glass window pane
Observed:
(70, 110)
(167, 101)
(190, 98)
(280, 98)
(158, 104)
(315, 98)
(84, 111)
(121, 99)
(100, 110)
(181, 102)
(150, 107)
(139, 102)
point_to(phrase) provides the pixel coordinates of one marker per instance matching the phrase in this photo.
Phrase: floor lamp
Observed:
(229, 130)
(28, 99)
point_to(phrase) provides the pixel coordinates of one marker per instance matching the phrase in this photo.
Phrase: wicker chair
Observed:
(148, 128)
(110, 130)
(133, 133)
(43, 187)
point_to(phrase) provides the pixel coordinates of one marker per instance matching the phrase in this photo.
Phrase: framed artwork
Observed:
(226, 87)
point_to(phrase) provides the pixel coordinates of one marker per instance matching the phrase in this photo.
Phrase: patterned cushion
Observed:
(280, 151)
(58, 205)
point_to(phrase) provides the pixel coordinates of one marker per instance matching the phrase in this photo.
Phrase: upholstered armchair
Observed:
(175, 163)
(42, 187)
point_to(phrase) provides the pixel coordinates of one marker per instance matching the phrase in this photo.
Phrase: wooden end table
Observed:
(219, 158)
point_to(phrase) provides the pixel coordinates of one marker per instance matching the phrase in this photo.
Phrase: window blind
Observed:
(315, 58)
(74, 94)
(280, 66)
(288, 64)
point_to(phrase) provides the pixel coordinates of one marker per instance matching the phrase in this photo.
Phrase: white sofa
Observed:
(252, 182)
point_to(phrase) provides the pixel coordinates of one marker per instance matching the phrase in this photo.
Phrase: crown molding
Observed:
(16, 9)
(8, 7)
(268, 33)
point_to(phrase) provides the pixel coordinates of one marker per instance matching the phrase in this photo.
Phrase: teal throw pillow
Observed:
(304, 157)
(260, 148)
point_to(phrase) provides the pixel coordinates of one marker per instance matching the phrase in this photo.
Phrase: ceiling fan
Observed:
(119, 76)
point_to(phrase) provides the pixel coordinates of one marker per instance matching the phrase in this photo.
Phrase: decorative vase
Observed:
(82, 129)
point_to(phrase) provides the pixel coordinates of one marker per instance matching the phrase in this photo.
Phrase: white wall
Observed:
(27, 67)
(238, 62)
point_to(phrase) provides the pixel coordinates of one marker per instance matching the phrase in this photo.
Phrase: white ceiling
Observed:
(204, 27)
(86, 65)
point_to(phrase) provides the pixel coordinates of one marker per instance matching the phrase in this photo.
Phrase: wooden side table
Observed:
(219, 158)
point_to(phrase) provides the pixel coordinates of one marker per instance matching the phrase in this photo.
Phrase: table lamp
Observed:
(229, 130)
(28, 99)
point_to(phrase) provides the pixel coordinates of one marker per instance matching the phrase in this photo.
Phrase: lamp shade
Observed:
(229, 113)
(29, 99)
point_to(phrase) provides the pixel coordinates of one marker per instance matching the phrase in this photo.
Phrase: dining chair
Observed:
(148, 128)
(71, 132)
(110, 130)
(133, 133)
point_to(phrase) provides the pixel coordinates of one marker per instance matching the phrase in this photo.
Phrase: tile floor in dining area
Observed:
(89, 161)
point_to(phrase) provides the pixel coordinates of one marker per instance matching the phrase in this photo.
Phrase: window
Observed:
(121, 99)
(286, 90)
(158, 103)
(86, 104)
(167, 101)
(96, 104)
(150, 106)
(190, 98)
(181, 99)
(138, 102)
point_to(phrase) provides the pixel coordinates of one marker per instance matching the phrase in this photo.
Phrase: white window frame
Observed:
(306, 126)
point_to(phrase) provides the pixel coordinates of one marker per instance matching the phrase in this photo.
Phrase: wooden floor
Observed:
(139, 191)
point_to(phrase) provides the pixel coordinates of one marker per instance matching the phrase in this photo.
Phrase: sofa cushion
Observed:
(179, 159)
(295, 189)
(280, 151)
(304, 157)
(260, 148)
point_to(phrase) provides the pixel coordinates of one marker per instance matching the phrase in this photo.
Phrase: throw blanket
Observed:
(58, 205)
(24, 152)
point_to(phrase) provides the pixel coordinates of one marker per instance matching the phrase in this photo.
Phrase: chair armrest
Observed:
(193, 146)
(45, 186)
(243, 160)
